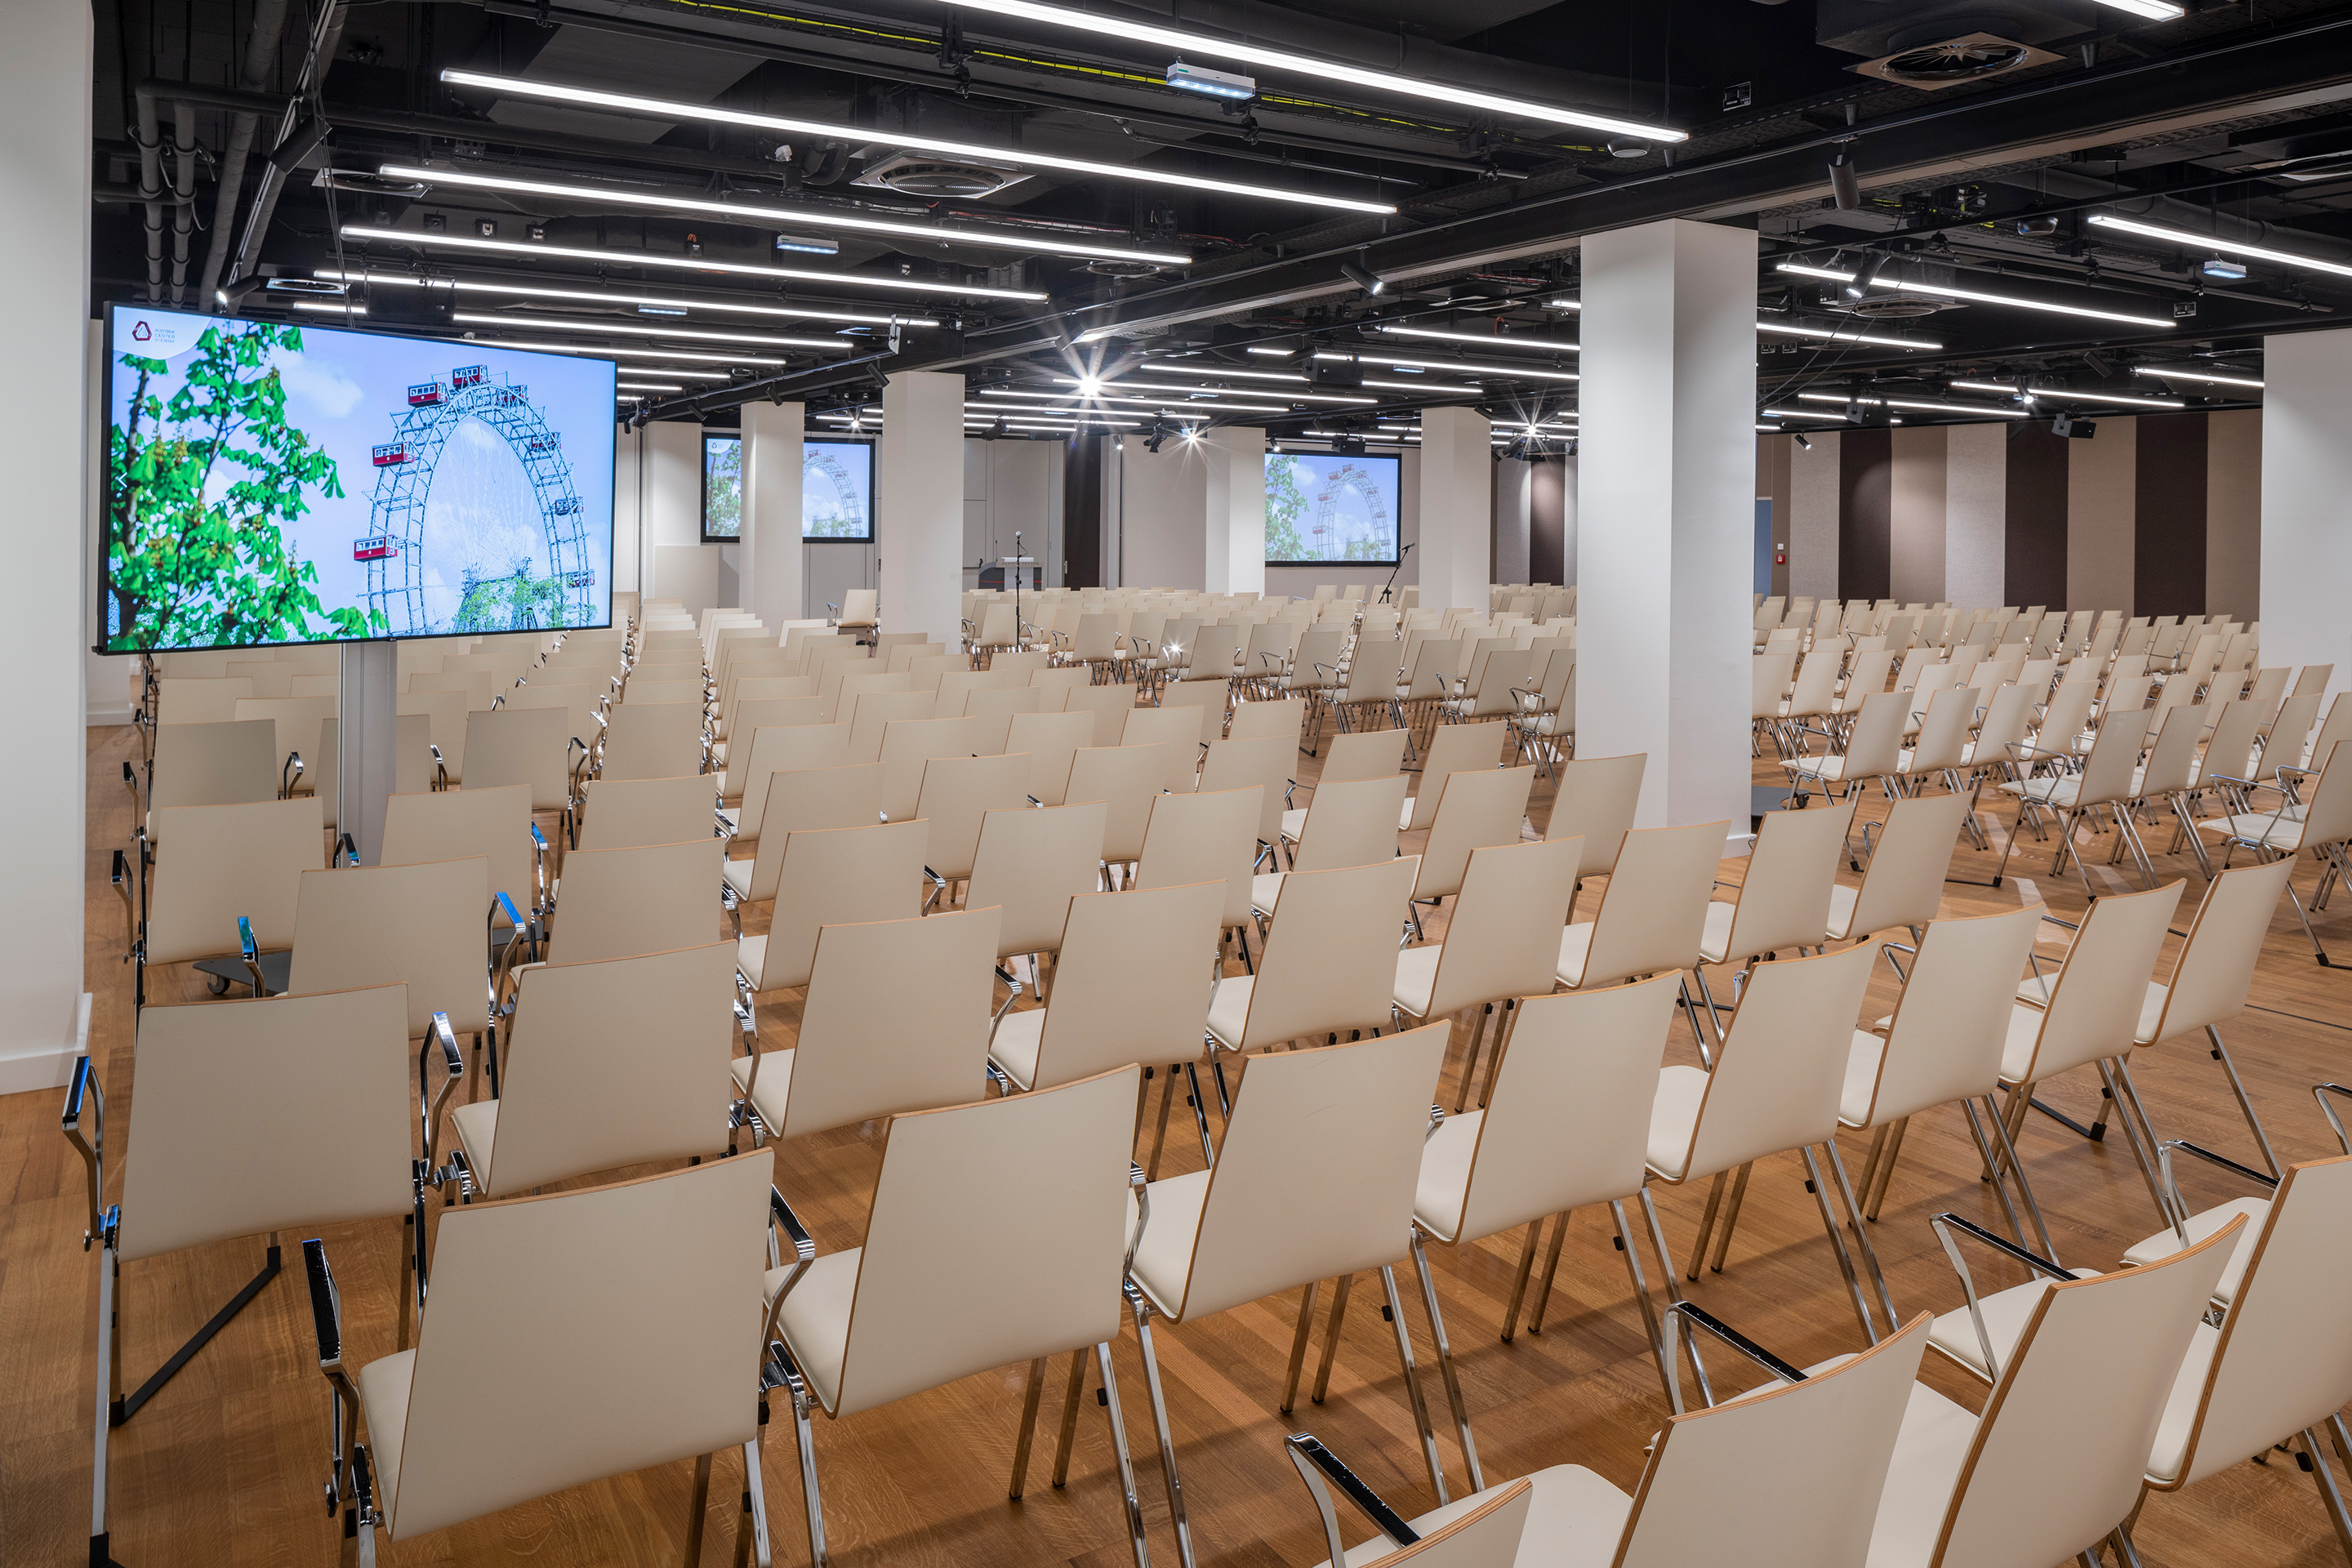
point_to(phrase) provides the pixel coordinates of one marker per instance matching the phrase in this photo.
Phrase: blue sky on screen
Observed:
(347, 389)
(1330, 508)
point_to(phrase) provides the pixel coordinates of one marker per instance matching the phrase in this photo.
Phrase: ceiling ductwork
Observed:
(1934, 44)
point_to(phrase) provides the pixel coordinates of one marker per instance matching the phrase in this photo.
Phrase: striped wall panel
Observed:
(2156, 515)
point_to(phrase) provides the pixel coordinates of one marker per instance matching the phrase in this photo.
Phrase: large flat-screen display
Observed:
(837, 490)
(274, 482)
(1329, 508)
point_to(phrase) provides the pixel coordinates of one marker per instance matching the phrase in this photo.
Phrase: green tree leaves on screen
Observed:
(722, 488)
(1285, 509)
(191, 562)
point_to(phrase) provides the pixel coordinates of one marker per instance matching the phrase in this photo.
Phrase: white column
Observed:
(2306, 473)
(1665, 514)
(919, 503)
(678, 563)
(44, 109)
(1514, 519)
(367, 735)
(1236, 517)
(771, 510)
(1457, 500)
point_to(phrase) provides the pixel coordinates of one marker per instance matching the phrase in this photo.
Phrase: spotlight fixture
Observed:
(298, 144)
(1844, 188)
(1210, 47)
(858, 135)
(1629, 149)
(1802, 439)
(696, 263)
(1210, 83)
(1370, 282)
(537, 232)
(2074, 424)
(229, 296)
(1859, 285)
(488, 227)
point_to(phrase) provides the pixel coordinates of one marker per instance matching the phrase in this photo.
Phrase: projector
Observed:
(2080, 428)
(2222, 269)
(1212, 83)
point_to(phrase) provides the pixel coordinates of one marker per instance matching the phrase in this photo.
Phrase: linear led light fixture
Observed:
(1435, 388)
(1563, 304)
(2173, 373)
(601, 353)
(1088, 385)
(1491, 340)
(1800, 414)
(2215, 242)
(812, 218)
(1161, 404)
(647, 386)
(1905, 403)
(691, 263)
(863, 135)
(1210, 47)
(323, 308)
(1273, 354)
(2066, 394)
(2154, 10)
(646, 330)
(1178, 367)
(1832, 335)
(1508, 371)
(658, 303)
(1940, 291)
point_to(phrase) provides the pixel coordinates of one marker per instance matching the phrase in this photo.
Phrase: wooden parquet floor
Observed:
(226, 1465)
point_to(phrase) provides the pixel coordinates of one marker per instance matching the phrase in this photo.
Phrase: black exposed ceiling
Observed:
(2195, 122)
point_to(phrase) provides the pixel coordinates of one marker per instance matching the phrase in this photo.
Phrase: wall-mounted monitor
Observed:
(1322, 510)
(838, 490)
(272, 482)
(723, 488)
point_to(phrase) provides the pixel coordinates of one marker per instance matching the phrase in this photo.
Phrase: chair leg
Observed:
(1445, 1365)
(1706, 1224)
(1176, 1516)
(1519, 1281)
(1470, 1062)
(1331, 1336)
(1160, 1137)
(1502, 1027)
(1128, 1493)
(698, 1505)
(1413, 1383)
(2254, 1122)
(1690, 1017)
(1673, 1294)
(1032, 1392)
(1627, 1244)
(1068, 1435)
(2007, 1158)
(1298, 1344)
(1200, 1110)
(1984, 1149)
(2145, 1158)
(1730, 1218)
(1837, 1245)
(1861, 1235)
(804, 1436)
(1550, 1271)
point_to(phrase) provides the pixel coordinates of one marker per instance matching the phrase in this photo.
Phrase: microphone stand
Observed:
(1393, 573)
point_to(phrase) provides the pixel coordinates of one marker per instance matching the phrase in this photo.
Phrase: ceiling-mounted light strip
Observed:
(813, 217)
(1490, 340)
(691, 263)
(2174, 373)
(1432, 389)
(1506, 372)
(2154, 10)
(647, 386)
(1974, 296)
(1799, 414)
(1164, 405)
(1563, 304)
(1834, 335)
(2217, 242)
(1179, 367)
(1211, 47)
(608, 297)
(2068, 394)
(1273, 354)
(646, 330)
(865, 135)
(324, 308)
(1087, 385)
(1907, 403)
(599, 351)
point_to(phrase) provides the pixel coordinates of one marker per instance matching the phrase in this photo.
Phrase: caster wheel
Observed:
(216, 985)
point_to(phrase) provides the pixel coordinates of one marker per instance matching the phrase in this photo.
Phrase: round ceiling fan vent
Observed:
(1120, 267)
(938, 179)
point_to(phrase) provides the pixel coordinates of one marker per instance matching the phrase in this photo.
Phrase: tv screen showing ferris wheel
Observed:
(274, 482)
(1322, 510)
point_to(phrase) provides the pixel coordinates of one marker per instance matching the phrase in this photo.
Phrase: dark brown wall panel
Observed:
(2168, 516)
(1082, 483)
(1866, 514)
(2034, 542)
(1547, 519)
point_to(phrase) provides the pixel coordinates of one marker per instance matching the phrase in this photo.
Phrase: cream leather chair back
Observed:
(200, 700)
(1480, 807)
(2172, 761)
(908, 745)
(1180, 729)
(1286, 719)
(1952, 1019)
(445, 715)
(1109, 705)
(1781, 1068)
(1316, 1172)
(526, 746)
(956, 796)
(492, 822)
(1784, 895)
(1266, 761)
(870, 714)
(491, 1409)
(1049, 740)
(388, 925)
(1128, 780)
(1200, 838)
(2096, 1001)
(1454, 749)
(1131, 984)
(231, 763)
(620, 1062)
(994, 708)
(832, 875)
(1904, 883)
(1655, 910)
(771, 749)
(1595, 802)
(214, 863)
(617, 903)
(626, 813)
(1030, 863)
(1350, 822)
(1768, 675)
(2216, 968)
(651, 740)
(1329, 961)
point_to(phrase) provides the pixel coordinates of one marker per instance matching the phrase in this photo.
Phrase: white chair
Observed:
(957, 797)
(1477, 808)
(1316, 1181)
(2319, 822)
(1357, 756)
(794, 800)
(870, 1045)
(259, 1117)
(1595, 801)
(831, 875)
(1774, 1087)
(531, 746)
(1784, 895)
(1191, 838)
(1030, 864)
(1328, 967)
(223, 871)
(1130, 782)
(623, 814)
(2105, 780)
(1455, 748)
(1737, 1482)
(498, 1412)
(1129, 986)
(1653, 914)
(617, 903)
(1350, 822)
(852, 1330)
(1872, 748)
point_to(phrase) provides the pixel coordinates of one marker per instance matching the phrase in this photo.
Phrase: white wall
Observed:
(45, 172)
(1976, 513)
(1813, 517)
(1237, 549)
(1458, 499)
(1514, 519)
(919, 503)
(1163, 514)
(628, 531)
(2307, 551)
(670, 453)
(773, 567)
(1008, 487)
